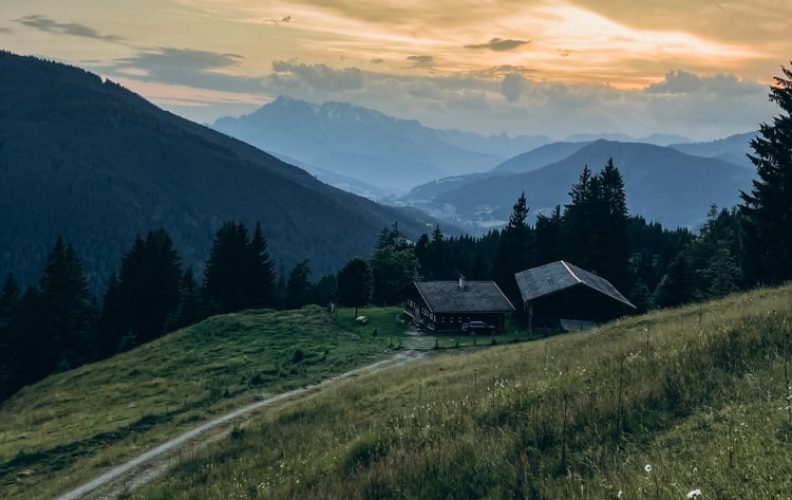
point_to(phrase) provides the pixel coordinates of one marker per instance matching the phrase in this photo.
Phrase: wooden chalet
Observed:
(562, 295)
(448, 305)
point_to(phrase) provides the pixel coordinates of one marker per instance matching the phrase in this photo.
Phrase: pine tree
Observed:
(677, 286)
(63, 334)
(263, 284)
(612, 227)
(298, 289)
(767, 209)
(112, 323)
(514, 251)
(191, 308)
(548, 237)
(237, 274)
(355, 284)
(148, 288)
(9, 310)
(391, 269)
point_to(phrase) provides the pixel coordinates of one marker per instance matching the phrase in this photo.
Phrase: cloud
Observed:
(47, 25)
(503, 70)
(317, 76)
(282, 20)
(426, 62)
(512, 86)
(6, 30)
(196, 68)
(377, 60)
(499, 44)
(682, 82)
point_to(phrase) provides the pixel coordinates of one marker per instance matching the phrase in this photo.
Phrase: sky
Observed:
(698, 68)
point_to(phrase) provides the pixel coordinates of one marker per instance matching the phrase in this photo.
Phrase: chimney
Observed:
(461, 282)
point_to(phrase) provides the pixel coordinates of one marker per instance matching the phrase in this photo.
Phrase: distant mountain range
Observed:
(355, 142)
(97, 163)
(733, 149)
(662, 184)
(341, 141)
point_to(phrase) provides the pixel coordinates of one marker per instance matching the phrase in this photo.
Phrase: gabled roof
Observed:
(556, 276)
(477, 296)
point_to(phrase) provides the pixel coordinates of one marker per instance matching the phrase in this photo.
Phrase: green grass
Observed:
(71, 426)
(698, 393)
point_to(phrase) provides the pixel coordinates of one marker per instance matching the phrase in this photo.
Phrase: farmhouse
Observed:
(562, 295)
(448, 305)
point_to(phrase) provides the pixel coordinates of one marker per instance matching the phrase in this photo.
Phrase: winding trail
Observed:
(151, 464)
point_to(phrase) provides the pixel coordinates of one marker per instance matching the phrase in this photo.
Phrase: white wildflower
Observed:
(619, 494)
(694, 493)
(648, 468)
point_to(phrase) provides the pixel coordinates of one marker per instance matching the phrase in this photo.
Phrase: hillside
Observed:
(66, 427)
(97, 163)
(732, 149)
(356, 142)
(539, 157)
(655, 406)
(662, 184)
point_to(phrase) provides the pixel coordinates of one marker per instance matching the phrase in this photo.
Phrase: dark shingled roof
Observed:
(477, 296)
(556, 276)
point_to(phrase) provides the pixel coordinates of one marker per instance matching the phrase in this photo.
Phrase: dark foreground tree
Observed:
(767, 209)
(147, 292)
(239, 273)
(298, 289)
(354, 284)
(58, 329)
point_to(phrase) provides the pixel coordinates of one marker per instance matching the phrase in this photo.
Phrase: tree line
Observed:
(57, 324)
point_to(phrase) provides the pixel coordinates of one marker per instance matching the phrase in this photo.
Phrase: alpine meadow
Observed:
(347, 250)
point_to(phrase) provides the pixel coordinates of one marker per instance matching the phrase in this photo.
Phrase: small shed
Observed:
(447, 305)
(562, 295)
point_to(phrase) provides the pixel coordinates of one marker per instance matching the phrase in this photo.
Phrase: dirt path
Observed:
(151, 464)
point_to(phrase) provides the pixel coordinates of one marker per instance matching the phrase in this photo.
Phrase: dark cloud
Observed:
(377, 60)
(5, 30)
(499, 44)
(282, 20)
(196, 68)
(512, 87)
(682, 82)
(43, 23)
(317, 76)
(421, 61)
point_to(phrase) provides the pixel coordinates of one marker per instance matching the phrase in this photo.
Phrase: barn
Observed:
(562, 295)
(448, 305)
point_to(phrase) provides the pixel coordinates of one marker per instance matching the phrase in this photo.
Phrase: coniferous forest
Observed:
(57, 324)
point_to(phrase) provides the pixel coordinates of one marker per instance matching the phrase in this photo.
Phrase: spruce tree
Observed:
(149, 287)
(767, 209)
(9, 309)
(263, 286)
(354, 284)
(64, 332)
(298, 288)
(514, 252)
(677, 286)
(233, 271)
(548, 237)
(113, 324)
(191, 308)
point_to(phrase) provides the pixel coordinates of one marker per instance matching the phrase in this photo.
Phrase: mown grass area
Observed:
(655, 406)
(72, 426)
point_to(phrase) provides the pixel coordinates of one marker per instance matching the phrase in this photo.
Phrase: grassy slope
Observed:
(70, 426)
(699, 393)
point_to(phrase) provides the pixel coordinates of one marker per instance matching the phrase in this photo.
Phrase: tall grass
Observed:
(650, 407)
(71, 426)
